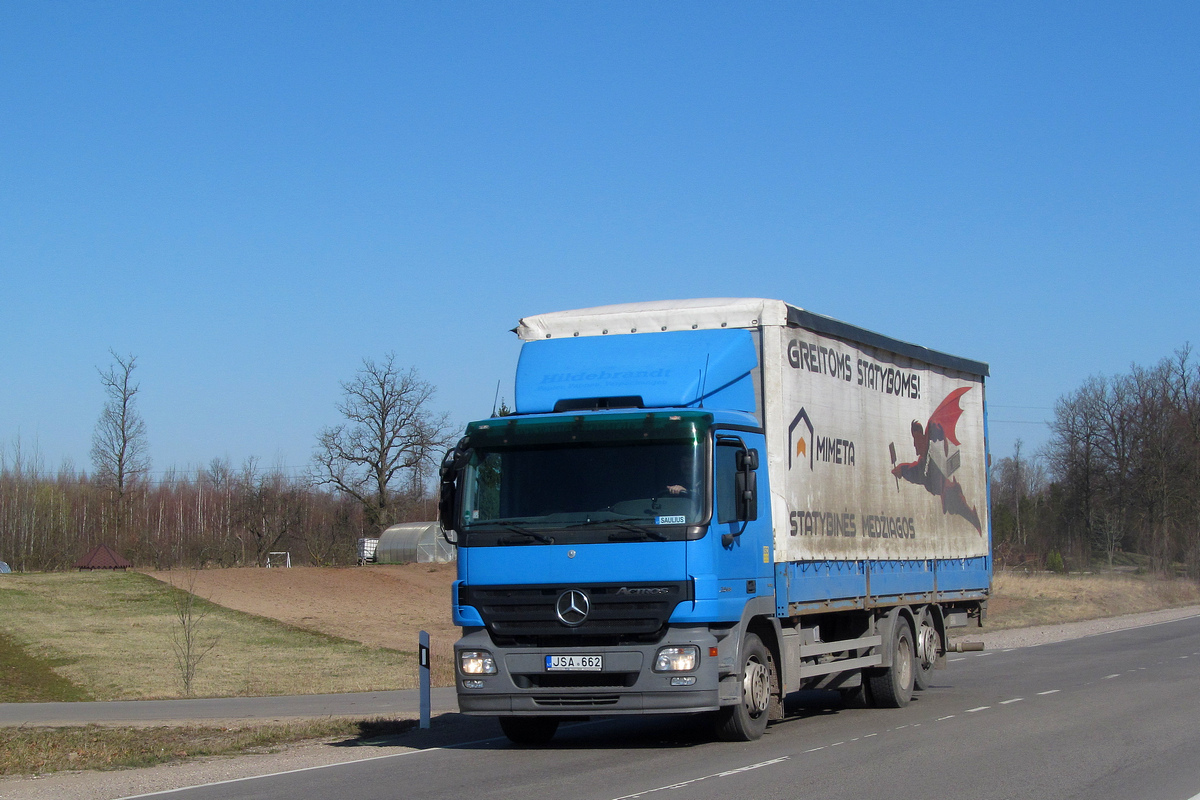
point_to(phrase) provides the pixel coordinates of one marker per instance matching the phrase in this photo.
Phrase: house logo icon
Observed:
(800, 443)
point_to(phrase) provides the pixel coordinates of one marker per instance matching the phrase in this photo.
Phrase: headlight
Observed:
(678, 658)
(476, 662)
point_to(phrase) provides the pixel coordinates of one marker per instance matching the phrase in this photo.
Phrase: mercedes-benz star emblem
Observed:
(572, 607)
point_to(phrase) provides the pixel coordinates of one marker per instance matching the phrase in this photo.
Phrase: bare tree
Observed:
(1018, 483)
(189, 637)
(1073, 455)
(388, 444)
(329, 535)
(1110, 523)
(268, 507)
(119, 446)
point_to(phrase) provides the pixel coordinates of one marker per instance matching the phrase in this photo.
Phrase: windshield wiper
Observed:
(638, 529)
(523, 531)
(623, 525)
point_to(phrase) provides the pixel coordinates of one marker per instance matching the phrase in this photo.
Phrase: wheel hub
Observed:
(904, 664)
(927, 643)
(756, 688)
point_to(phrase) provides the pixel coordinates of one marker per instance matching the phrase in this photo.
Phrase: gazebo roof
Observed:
(103, 557)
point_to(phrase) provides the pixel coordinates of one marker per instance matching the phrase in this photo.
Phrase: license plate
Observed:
(574, 663)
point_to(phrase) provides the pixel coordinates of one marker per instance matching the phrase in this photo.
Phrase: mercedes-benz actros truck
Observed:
(701, 506)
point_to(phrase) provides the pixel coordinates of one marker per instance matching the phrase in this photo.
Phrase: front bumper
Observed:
(627, 685)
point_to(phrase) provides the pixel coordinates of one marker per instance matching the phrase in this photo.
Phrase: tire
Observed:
(747, 719)
(925, 656)
(892, 687)
(529, 730)
(858, 696)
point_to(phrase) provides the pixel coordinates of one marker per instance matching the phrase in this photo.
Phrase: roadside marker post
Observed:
(423, 668)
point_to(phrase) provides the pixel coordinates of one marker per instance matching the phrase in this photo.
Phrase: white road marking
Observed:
(1014, 700)
(1052, 691)
(1110, 677)
(311, 769)
(749, 767)
(980, 708)
(724, 774)
(948, 716)
(964, 658)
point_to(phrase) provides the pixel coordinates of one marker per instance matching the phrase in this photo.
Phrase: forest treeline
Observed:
(215, 516)
(1119, 474)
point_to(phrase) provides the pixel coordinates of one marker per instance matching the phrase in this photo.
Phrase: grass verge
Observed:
(26, 751)
(111, 635)
(1021, 599)
(28, 679)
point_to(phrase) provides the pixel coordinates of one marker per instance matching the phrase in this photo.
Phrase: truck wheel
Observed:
(746, 720)
(892, 687)
(858, 696)
(928, 644)
(529, 730)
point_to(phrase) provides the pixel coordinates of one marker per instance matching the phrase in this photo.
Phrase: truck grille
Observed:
(576, 700)
(584, 680)
(629, 613)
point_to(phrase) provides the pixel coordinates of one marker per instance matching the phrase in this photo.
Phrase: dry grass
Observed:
(110, 633)
(1024, 599)
(26, 679)
(25, 751)
(382, 606)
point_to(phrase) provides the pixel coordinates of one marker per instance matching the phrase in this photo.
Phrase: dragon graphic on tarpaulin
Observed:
(937, 460)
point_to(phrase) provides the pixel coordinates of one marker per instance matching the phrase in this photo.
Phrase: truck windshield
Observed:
(641, 480)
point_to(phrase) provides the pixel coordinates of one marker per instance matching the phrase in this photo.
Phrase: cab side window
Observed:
(725, 481)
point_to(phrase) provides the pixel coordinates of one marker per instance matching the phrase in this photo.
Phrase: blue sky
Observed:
(252, 197)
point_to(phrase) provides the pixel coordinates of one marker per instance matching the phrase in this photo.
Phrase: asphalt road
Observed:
(1109, 716)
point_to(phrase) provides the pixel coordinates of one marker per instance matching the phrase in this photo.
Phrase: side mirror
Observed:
(744, 502)
(747, 495)
(747, 460)
(452, 464)
(446, 503)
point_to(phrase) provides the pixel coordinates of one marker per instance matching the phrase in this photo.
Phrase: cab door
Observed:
(741, 519)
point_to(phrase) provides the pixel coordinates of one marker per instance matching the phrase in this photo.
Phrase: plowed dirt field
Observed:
(382, 606)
